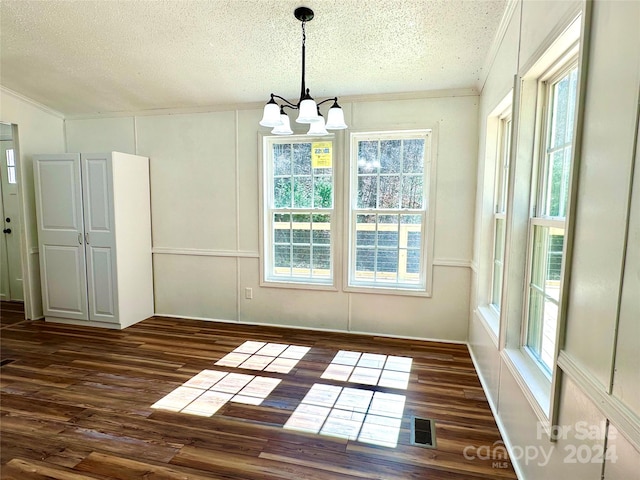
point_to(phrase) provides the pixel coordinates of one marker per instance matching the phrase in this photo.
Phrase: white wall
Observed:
(602, 329)
(205, 214)
(40, 130)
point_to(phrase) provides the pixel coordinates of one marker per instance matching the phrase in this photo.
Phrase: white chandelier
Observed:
(308, 111)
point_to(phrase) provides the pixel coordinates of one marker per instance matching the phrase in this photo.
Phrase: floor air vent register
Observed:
(423, 432)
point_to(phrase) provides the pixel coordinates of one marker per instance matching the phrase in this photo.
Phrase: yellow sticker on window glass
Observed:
(321, 154)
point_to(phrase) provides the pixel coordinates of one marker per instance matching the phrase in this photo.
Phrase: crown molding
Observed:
(31, 102)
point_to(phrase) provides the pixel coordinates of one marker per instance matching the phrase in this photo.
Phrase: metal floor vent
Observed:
(423, 432)
(6, 362)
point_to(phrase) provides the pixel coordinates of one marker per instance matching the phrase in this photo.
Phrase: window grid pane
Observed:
(547, 224)
(301, 214)
(501, 190)
(389, 215)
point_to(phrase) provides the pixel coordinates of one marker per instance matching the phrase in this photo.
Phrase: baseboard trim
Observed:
(318, 329)
(494, 411)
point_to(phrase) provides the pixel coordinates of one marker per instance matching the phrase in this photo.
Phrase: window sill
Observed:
(289, 284)
(535, 385)
(380, 290)
(491, 320)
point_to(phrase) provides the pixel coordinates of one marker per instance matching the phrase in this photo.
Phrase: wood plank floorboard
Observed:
(76, 404)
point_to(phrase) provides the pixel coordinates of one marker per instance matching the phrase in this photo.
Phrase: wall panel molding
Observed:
(204, 252)
(627, 423)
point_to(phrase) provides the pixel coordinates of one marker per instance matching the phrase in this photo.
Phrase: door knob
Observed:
(6, 230)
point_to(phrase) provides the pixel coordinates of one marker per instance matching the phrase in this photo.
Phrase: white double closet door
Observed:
(76, 237)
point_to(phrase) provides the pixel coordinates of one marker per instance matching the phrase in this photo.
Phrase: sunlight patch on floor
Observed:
(268, 357)
(369, 369)
(352, 413)
(208, 391)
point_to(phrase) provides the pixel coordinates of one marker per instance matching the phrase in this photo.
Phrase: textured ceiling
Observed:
(85, 57)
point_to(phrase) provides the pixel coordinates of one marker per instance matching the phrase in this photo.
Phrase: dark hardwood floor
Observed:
(76, 404)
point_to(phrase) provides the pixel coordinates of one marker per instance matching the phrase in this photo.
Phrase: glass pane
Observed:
(365, 238)
(389, 191)
(412, 191)
(534, 325)
(302, 159)
(282, 159)
(365, 263)
(496, 287)
(554, 263)
(282, 192)
(368, 156)
(321, 234)
(414, 238)
(390, 151)
(11, 175)
(498, 251)
(367, 191)
(302, 228)
(413, 261)
(555, 191)
(302, 192)
(322, 192)
(386, 265)
(539, 257)
(282, 257)
(413, 160)
(301, 260)
(366, 230)
(559, 123)
(548, 338)
(282, 228)
(11, 161)
(386, 237)
(321, 260)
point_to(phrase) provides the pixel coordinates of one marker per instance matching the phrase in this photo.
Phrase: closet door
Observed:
(97, 177)
(61, 235)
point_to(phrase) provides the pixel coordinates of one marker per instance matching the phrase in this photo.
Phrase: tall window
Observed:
(548, 217)
(388, 209)
(299, 210)
(500, 212)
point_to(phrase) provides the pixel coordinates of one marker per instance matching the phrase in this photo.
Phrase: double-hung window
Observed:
(298, 210)
(548, 215)
(388, 214)
(500, 208)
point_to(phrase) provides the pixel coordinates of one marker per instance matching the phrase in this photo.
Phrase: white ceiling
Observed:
(86, 57)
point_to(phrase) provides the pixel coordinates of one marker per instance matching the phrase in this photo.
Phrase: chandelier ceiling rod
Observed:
(309, 111)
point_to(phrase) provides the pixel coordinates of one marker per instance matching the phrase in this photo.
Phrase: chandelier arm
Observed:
(334, 99)
(289, 104)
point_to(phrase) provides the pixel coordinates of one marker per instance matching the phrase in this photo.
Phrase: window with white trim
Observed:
(298, 202)
(550, 195)
(389, 193)
(501, 189)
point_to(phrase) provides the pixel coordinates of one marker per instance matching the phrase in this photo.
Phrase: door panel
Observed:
(102, 298)
(61, 235)
(62, 290)
(97, 178)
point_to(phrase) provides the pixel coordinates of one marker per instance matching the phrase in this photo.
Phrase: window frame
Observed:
(500, 202)
(538, 216)
(424, 287)
(267, 209)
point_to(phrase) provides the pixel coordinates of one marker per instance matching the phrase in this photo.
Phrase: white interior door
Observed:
(10, 262)
(61, 235)
(5, 293)
(97, 177)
